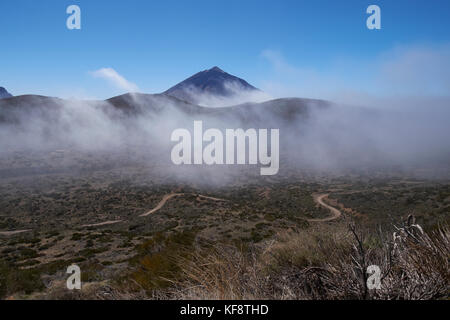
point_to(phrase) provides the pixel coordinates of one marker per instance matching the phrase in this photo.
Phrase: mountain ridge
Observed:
(133, 104)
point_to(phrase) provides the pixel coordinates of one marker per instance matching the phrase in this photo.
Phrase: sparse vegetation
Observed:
(320, 265)
(256, 244)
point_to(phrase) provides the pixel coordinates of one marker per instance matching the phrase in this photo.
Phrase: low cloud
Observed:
(115, 79)
(236, 95)
(419, 69)
(297, 81)
(403, 71)
(278, 62)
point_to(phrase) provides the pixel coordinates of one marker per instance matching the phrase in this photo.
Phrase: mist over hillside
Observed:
(314, 134)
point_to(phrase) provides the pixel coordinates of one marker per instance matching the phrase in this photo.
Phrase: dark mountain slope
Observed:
(4, 93)
(214, 81)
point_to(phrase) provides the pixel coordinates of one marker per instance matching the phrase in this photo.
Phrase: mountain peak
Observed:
(4, 93)
(211, 82)
(216, 68)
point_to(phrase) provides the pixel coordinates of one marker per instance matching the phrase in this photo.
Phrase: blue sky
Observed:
(287, 47)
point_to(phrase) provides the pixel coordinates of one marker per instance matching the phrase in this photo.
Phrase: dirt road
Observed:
(101, 223)
(171, 195)
(210, 198)
(318, 198)
(10, 233)
(158, 206)
(335, 213)
(161, 203)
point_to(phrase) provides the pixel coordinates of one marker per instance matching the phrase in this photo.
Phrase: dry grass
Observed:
(325, 262)
(219, 273)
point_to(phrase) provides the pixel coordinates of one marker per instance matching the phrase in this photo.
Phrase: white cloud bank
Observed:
(115, 78)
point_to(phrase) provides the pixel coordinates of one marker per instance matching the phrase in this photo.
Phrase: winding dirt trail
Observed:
(10, 233)
(335, 213)
(171, 195)
(161, 203)
(109, 222)
(102, 223)
(210, 198)
(318, 198)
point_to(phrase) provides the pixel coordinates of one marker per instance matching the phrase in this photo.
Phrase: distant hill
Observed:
(214, 82)
(274, 113)
(4, 93)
